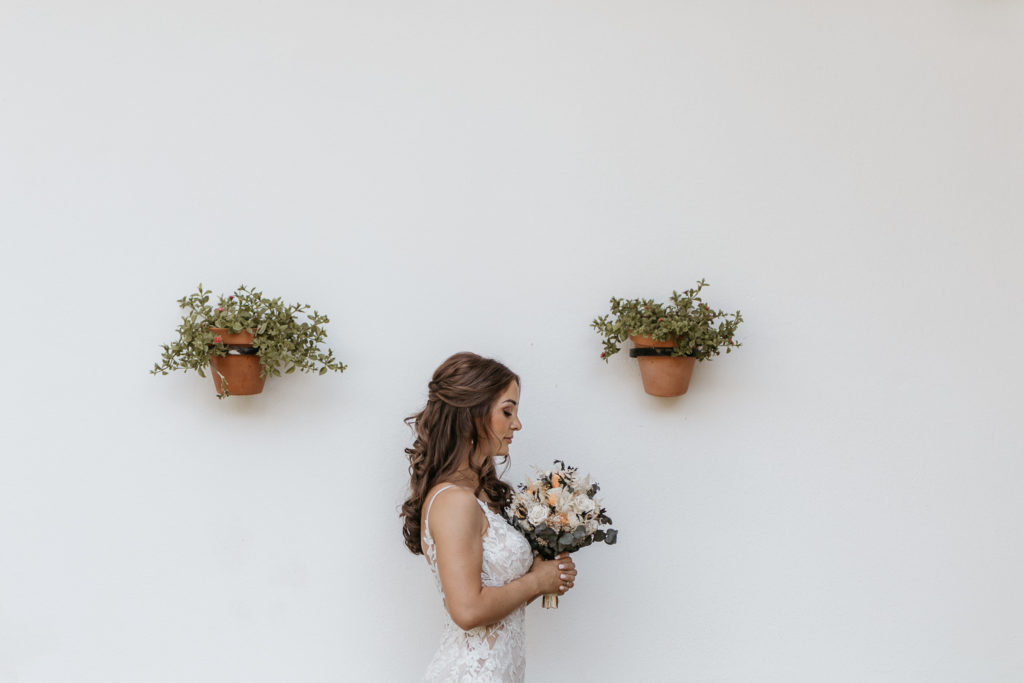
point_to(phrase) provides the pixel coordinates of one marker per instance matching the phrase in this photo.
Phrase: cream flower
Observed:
(537, 514)
(583, 504)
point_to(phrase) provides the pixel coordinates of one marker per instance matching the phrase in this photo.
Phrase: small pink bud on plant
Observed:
(220, 309)
(218, 339)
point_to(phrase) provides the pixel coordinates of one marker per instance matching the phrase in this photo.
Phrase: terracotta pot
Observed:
(241, 373)
(663, 375)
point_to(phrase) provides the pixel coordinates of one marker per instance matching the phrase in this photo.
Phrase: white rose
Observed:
(537, 514)
(583, 504)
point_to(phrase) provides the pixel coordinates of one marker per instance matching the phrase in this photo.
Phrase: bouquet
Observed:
(558, 513)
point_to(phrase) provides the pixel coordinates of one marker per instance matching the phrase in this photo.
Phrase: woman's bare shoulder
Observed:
(448, 495)
(455, 506)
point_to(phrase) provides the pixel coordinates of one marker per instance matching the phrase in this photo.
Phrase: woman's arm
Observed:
(458, 525)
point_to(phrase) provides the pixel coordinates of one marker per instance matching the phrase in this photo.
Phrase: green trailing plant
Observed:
(283, 342)
(697, 329)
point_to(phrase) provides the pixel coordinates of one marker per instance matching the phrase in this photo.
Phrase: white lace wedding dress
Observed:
(485, 654)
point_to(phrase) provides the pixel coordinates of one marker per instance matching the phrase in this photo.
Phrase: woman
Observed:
(484, 567)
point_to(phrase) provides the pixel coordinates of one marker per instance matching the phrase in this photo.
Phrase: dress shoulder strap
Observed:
(426, 517)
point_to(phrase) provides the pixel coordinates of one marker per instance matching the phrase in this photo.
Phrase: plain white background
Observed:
(840, 500)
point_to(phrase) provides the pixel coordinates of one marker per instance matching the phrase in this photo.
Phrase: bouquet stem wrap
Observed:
(549, 601)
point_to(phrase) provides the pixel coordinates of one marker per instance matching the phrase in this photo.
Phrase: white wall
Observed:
(838, 501)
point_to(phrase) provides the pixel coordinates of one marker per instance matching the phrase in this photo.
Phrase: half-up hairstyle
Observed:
(460, 395)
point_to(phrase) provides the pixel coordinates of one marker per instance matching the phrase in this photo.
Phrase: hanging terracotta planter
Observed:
(662, 375)
(278, 344)
(691, 329)
(240, 368)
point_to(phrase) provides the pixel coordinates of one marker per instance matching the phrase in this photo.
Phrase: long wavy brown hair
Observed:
(460, 395)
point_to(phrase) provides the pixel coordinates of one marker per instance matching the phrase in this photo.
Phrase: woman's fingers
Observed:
(566, 572)
(567, 575)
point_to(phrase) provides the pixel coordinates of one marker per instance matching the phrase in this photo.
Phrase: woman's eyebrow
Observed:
(508, 400)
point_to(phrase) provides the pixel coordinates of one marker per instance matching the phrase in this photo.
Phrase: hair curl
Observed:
(460, 395)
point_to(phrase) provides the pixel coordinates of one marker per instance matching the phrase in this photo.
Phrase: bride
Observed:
(483, 567)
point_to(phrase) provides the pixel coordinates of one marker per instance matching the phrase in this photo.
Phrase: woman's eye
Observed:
(507, 414)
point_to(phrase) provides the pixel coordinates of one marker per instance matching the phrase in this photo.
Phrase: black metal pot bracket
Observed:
(650, 351)
(241, 350)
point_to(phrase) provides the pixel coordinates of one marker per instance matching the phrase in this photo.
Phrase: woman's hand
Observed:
(554, 577)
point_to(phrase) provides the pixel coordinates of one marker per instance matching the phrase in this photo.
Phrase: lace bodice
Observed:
(497, 652)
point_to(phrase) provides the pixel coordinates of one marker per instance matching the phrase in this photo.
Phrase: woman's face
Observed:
(503, 419)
